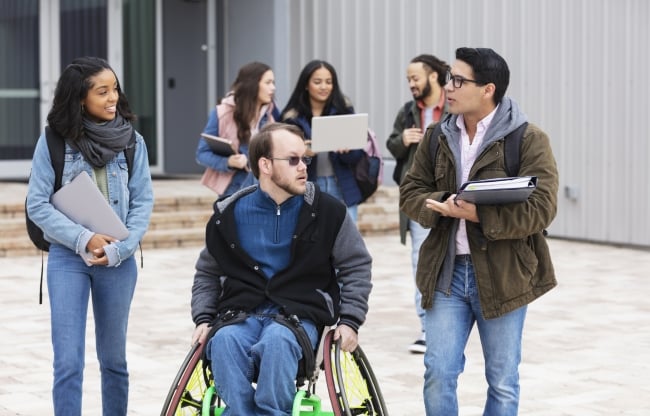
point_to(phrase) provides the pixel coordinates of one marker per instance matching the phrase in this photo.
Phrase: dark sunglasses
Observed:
(294, 160)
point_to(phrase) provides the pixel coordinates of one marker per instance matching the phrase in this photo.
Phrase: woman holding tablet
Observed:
(317, 93)
(92, 114)
(246, 109)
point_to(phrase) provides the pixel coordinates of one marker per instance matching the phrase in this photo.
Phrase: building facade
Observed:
(578, 70)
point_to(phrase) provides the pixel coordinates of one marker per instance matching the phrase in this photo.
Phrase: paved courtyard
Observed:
(586, 343)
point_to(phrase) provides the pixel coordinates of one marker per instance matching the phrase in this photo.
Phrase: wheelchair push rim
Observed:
(189, 386)
(351, 383)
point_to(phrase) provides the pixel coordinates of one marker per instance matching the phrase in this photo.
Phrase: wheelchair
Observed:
(351, 385)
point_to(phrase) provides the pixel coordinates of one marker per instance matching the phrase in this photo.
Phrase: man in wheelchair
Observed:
(278, 249)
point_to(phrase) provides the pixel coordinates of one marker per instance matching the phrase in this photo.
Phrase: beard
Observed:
(425, 92)
(292, 188)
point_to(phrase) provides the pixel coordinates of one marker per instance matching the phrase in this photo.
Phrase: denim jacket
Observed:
(221, 123)
(131, 199)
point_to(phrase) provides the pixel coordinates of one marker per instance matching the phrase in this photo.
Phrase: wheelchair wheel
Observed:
(190, 385)
(351, 383)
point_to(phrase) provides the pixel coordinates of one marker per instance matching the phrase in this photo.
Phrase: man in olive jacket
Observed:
(481, 263)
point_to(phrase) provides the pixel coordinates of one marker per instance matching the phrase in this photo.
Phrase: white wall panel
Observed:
(578, 69)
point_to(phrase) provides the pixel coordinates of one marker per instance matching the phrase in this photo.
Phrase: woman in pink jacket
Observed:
(245, 109)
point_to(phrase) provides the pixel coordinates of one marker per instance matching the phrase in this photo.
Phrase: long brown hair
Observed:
(246, 90)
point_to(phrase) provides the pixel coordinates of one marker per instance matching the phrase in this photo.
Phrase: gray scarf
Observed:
(101, 142)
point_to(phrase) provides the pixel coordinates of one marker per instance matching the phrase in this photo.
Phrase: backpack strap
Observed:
(56, 147)
(512, 147)
(434, 132)
(129, 153)
(307, 365)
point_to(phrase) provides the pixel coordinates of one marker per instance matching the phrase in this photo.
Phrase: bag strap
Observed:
(308, 362)
(129, 153)
(433, 132)
(229, 317)
(512, 144)
(292, 322)
(56, 147)
(512, 147)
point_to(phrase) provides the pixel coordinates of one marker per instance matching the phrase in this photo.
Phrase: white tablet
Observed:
(329, 133)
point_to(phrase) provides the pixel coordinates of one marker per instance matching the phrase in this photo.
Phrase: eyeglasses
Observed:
(294, 160)
(457, 80)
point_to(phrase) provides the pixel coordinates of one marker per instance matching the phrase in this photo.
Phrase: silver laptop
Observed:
(329, 133)
(82, 202)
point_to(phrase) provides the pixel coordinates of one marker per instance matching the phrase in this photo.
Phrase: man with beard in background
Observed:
(426, 78)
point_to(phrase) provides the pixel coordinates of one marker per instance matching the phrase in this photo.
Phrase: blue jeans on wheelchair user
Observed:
(260, 347)
(70, 283)
(450, 323)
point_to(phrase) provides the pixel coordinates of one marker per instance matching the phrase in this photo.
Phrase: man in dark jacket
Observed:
(426, 78)
(282, 247)
(480, 264)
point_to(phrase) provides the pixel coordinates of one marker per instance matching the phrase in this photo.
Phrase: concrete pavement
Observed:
(586, 343)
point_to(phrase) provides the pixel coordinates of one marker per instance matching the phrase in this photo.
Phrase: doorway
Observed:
(185, 83)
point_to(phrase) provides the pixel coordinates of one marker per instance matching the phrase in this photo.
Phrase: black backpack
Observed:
(512, 145)
(56, 146)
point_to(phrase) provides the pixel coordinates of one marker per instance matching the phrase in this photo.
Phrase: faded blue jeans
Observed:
(418, 235)
(330, 185)
(448, 325)
(258, 346)
(70, 283)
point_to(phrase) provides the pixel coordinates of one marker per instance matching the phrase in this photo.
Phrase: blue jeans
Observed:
(69, 283)
(448, 325)
(418, 234)
(328, 184)
(258, 347)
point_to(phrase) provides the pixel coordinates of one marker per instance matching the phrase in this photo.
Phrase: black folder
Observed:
(498, 191)
(219, 145)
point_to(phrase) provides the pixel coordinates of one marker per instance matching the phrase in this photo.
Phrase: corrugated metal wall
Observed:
(579, 69)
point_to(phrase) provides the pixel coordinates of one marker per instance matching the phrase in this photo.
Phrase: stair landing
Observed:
(181, 209)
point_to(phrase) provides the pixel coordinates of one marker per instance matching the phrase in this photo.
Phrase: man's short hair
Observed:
(488, 67)
(261, 144)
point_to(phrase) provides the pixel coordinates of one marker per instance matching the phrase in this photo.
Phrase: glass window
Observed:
(139, 35)
(19, 79)
(83, 29)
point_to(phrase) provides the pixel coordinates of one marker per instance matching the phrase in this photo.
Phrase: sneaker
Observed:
(419, 346)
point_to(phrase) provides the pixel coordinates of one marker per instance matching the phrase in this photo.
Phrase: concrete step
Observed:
(180, 215)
